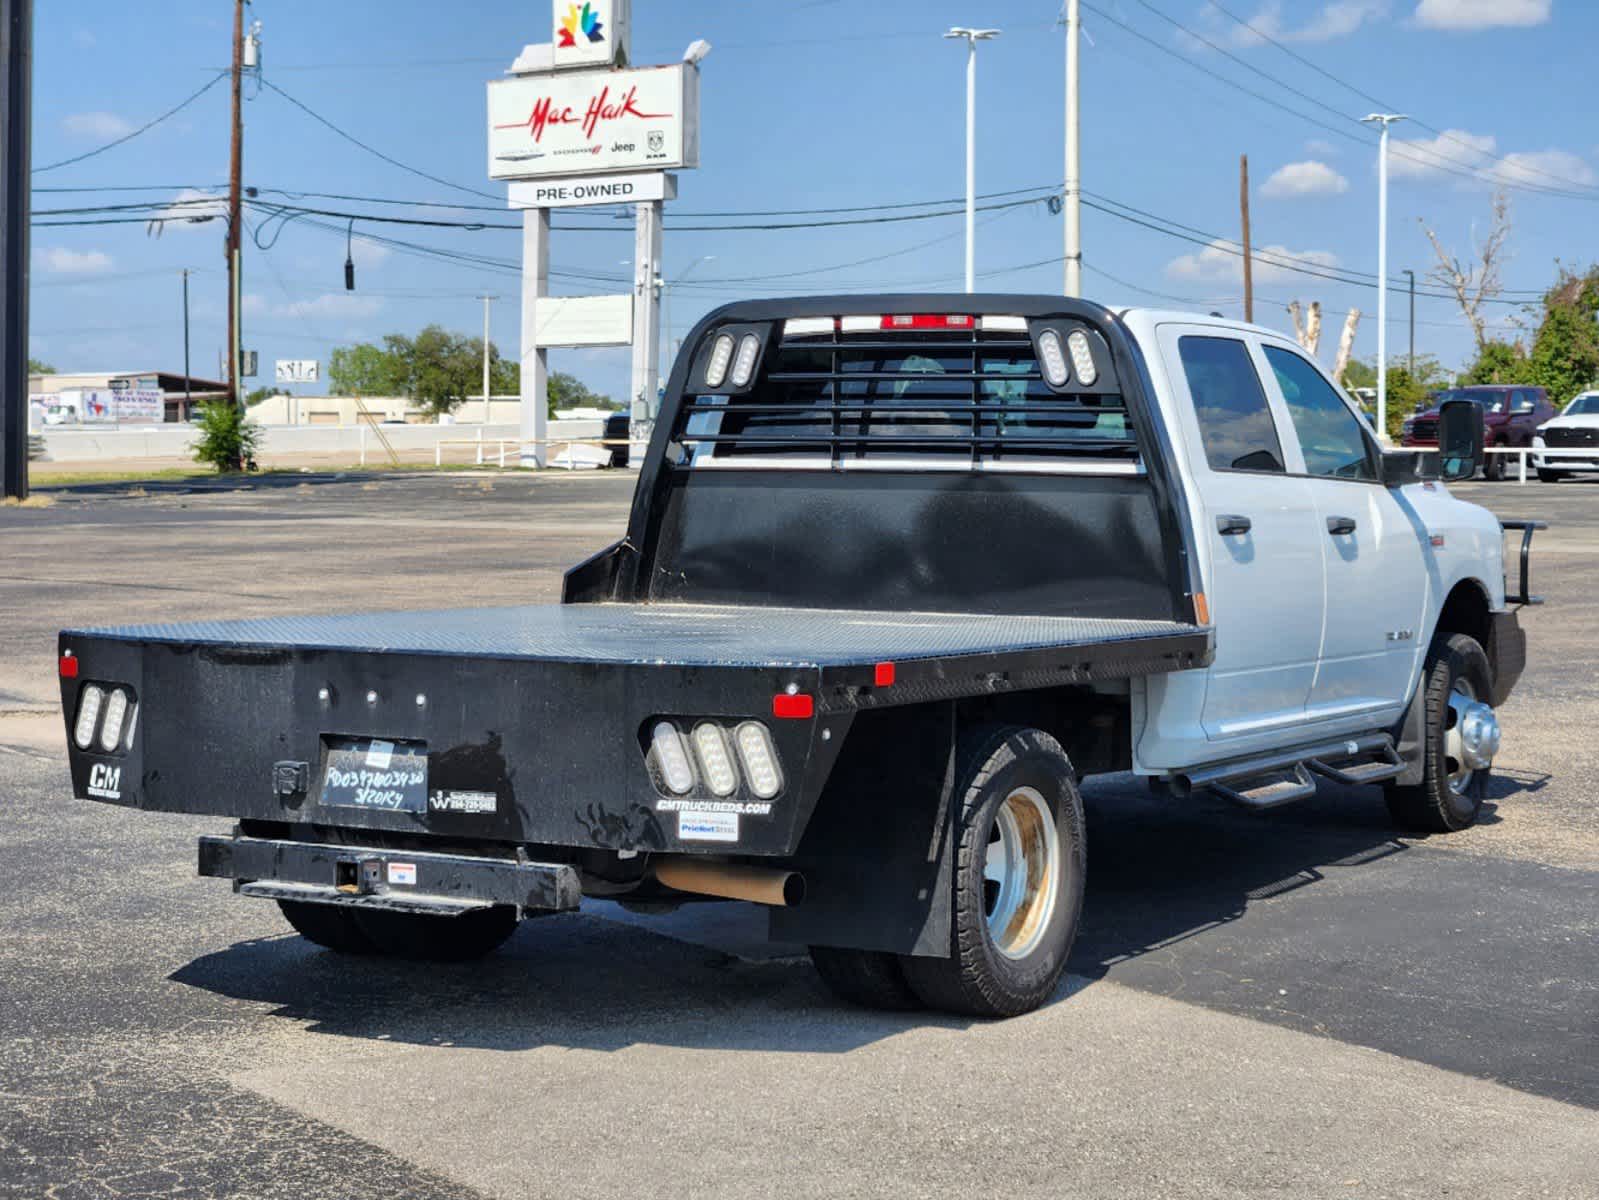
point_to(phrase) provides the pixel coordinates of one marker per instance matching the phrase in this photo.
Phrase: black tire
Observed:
(995, 765)
(1547, 476)
(869, 978)
(328, 925)
(1432, 806)
(438, 939)
(1493, 467)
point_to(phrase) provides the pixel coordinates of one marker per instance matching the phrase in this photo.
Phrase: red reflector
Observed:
(786, 706)
(885, 675)
(69, 667)
(927, 321)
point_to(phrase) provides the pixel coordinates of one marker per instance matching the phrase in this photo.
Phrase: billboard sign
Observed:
(591, 33)
(593, 189)
(139, 406)
(594, 122)
(568, 321)
(95, 406)
(297, 370)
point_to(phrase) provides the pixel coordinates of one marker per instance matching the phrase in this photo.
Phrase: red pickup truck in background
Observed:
(1511, 415)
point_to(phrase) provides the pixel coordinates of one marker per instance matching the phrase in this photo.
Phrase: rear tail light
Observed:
(1082, 358)
(671, 758)
(711, 746)
(927, 321)
(1053, 359)
(759, 757)
(90, 701)
(749, 349)
(116, 716)
(721, 359)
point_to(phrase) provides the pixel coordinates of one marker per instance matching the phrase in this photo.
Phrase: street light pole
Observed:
(1384, 120)
(972, 37)
(1074, 151)
(487, 300)
(1411, 358)
(188, 388)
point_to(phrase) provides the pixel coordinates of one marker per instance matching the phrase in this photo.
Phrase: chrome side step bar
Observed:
(1267, 781)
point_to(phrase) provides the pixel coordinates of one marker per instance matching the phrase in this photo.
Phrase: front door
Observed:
(1261, 556)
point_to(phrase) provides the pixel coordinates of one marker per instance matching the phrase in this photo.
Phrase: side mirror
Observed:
(1460, 439)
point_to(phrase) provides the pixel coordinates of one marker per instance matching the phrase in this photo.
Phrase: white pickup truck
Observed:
(900, 571)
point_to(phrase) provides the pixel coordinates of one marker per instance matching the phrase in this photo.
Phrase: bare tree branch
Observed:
(1479, 283)
(1346, 344)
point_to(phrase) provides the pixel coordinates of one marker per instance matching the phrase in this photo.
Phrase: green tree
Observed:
(227, 440)
(260, 394)
(1565, 352)
(1498, 362)
(35, 367)
(368, 370)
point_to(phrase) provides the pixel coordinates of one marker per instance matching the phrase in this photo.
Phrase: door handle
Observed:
(1338, 526)
(1232, 525)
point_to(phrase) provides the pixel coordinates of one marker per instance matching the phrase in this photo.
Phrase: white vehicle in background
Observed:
(1576, 428)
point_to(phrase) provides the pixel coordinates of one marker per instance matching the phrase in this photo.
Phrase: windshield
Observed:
(1586, 405)
(1492, 401)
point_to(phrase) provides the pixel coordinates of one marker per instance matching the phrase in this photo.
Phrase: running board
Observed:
(1250, 783)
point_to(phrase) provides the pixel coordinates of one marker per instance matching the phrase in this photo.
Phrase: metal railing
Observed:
(499, 450)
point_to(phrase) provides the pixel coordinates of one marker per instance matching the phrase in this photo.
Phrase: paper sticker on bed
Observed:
(403, 874)
(707, 827)
(379, 755)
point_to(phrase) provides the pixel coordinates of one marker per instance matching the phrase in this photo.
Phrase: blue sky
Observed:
(816, 104)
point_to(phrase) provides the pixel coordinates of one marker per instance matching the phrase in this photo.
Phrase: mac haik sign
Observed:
(594, 122)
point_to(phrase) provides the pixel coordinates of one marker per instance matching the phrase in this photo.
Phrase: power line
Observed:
(145, 128)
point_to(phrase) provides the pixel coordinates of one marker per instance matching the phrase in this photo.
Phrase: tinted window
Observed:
(1525, 401)
(1329, 435)
(1234, 422)
(1493, 401)
(1584, 406)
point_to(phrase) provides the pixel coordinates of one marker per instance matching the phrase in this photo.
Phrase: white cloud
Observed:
(1222, 262)
(1336, 19)
(1304, 179)
(1470, 15)
(101, 126)
(191, 206)
(1321, 147)
(1467, 157)
(371, 254)
(58, 260)
(346, 305)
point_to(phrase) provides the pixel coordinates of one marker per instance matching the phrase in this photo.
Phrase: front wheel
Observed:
(1462, 739)
(1493, 467)
(1545, 475)
(1020, 864)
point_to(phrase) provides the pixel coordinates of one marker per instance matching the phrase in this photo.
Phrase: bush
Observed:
(227, 439)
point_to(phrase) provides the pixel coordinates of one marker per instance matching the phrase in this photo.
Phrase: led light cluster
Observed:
(714, 759)
(105, 718)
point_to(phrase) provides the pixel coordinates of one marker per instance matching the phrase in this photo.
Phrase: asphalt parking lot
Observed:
(1301, 1003)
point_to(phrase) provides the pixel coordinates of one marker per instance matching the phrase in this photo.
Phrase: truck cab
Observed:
(899, 572)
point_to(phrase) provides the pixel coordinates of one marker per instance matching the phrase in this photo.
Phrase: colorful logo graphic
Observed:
(579, 22)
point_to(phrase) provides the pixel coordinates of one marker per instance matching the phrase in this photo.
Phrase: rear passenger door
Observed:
(1371, 542)
(1261, 555)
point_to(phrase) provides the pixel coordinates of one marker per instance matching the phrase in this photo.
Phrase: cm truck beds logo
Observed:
(105, 783)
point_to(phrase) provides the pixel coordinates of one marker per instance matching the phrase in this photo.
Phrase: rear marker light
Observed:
(69, 667)
(721, 359)
(749, 349)
(755, 751)
(1083, 358)
(671, 756)
(711, 746)
(1053, 359)
(791, 707)
(883, 676)
(89, 704)
(927, 321)
(116, 712)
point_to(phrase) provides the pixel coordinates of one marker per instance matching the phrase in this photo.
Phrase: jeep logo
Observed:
(624, 147)
(105, 782)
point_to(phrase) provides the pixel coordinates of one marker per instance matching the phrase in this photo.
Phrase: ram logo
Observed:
(1401, 635)
(105, 782)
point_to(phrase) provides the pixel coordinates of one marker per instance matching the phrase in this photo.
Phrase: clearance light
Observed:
(69, 667)
(88, 716)
(721, 359)
(927, 321)
(755, 751)
(790, 706)
(711, 746)
(1053, 359)
(749, 349)
(671, 756)
(116, 712)
(1083, 358)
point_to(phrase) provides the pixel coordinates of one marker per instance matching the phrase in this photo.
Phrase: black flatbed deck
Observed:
(682, 635)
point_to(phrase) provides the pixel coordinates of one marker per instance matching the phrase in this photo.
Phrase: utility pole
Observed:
(188, 391)
(1411, 358)
(16, 166)
(1249, 262)
(1074, 150)
(235, 210)
(487, 300)
(972, 37)
(1384, 120)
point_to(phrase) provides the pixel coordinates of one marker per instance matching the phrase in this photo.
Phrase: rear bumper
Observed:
(399, 880)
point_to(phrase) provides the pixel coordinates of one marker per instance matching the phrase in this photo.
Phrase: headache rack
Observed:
(970, 397)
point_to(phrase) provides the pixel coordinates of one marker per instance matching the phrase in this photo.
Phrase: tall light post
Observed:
(1384, 120)
(1410, 359)
(972, 37)
(1074, 151)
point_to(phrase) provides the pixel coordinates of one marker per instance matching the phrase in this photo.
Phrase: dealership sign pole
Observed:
(16, 98)
(573, 125)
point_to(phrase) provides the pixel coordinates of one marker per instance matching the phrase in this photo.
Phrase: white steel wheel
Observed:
(1461, 739)
(1021, 869)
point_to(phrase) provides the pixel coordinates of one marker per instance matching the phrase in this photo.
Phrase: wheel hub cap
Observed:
(1021, 868)
(1479, 736)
